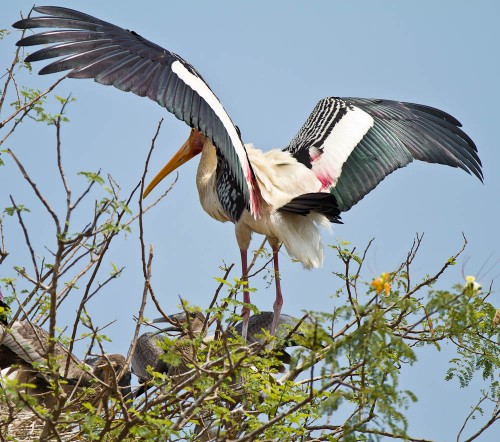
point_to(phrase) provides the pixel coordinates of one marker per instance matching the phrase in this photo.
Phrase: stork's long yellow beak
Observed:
(188, 150)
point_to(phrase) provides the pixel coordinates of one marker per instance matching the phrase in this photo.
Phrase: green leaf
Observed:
(13, 210)
(92, 177)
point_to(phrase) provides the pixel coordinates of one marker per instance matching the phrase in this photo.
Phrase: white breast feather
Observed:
(280, 176)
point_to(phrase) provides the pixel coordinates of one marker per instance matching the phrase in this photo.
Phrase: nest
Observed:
(23, 425)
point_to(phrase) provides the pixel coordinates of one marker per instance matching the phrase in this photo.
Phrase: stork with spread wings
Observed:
(345, 148)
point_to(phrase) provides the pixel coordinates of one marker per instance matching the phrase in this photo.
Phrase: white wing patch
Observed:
(345, 136)
(198, 85)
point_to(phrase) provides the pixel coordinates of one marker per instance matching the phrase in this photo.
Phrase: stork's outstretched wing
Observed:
(352, 144)
(111, 55)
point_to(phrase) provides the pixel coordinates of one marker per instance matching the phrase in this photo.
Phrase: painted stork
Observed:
(23, 345)
(344, 149)
(148, 351)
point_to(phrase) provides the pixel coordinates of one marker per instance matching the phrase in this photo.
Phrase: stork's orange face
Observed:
(192, 147)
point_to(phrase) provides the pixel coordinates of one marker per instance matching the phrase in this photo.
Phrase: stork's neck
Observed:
(206, 182)
(208, 163)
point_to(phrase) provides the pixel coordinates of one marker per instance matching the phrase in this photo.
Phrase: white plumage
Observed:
(281, 178)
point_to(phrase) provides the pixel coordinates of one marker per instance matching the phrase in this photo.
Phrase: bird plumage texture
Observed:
(24, 349)
(149, 354)
(288, 330)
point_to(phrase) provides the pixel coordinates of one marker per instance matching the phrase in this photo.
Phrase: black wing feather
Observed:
(319, 202)
(93, 48)
(401, 132)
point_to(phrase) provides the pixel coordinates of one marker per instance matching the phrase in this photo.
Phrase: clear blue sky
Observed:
(269, 63)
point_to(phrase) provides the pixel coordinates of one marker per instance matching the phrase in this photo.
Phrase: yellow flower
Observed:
(382, 283)
(470, 282)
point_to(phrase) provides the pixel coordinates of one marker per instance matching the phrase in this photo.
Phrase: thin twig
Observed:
(26, 237)
(36, 190)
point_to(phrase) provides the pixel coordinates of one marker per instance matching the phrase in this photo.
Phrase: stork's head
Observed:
(192, 147)
(187, 322)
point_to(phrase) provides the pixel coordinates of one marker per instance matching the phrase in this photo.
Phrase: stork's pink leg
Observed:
(245, 311)
(279, 298)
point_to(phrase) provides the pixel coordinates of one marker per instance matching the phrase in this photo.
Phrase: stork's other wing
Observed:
(352, 143)
(111, 55)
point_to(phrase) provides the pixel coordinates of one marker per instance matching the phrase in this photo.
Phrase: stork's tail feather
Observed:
(320, 202)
